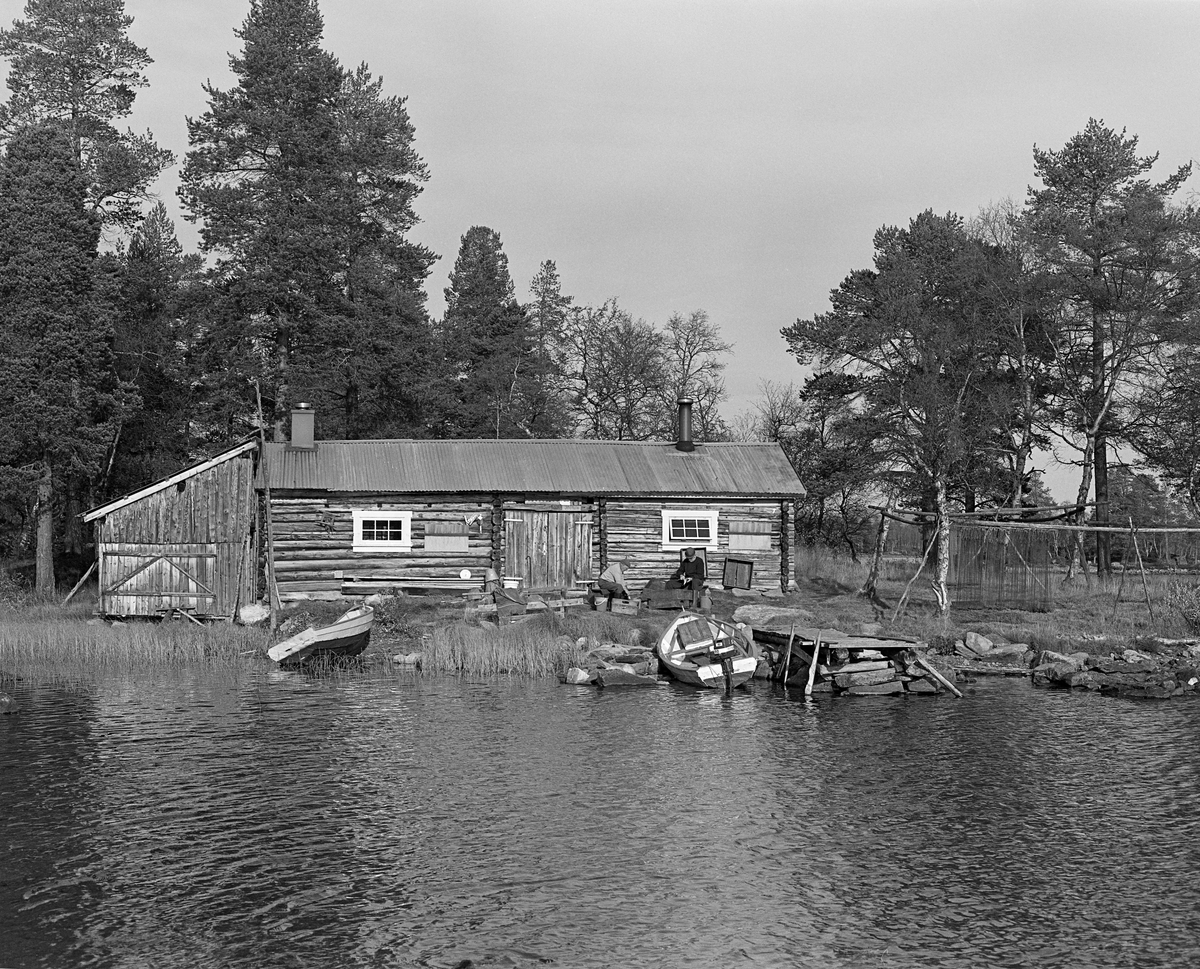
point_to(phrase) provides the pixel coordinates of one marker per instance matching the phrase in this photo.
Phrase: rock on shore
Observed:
(1132, 673)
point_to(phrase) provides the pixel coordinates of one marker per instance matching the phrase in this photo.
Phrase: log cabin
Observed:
(339, 519)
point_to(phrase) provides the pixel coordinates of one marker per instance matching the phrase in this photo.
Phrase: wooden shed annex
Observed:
(186, 542)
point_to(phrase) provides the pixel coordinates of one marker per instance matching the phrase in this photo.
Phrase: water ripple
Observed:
(423, 822)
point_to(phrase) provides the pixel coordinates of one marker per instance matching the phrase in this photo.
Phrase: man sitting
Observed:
(690, 574)
(612, 582)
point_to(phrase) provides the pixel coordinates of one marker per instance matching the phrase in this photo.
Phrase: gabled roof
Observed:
(109, 507)
(542, 466)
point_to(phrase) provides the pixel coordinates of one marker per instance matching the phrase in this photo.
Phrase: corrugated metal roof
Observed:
(567, 467)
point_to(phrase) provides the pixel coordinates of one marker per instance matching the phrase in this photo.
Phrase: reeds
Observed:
(47, 646)
(544, 646)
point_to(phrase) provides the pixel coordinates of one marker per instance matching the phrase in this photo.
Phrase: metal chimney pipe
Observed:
(303, 420)
(685, 425)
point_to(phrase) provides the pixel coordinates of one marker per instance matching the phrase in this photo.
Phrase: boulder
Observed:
(1054, 674)
(408, 659)
(921, 686)
(253, 613)
(9, 704)
(877, 689)
(1048, 656)
(1008, 651)
(778, 618)
(866, 678)
(1136, 656)
(977, 643)
(618, 677)
(578, 677)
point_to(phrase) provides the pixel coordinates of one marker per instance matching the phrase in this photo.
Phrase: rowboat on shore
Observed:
(346, 636)
(706, 652)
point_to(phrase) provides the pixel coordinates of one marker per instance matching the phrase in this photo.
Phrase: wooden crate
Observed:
(626, 608)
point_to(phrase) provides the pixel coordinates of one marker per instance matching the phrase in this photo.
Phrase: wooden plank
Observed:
(877, 689)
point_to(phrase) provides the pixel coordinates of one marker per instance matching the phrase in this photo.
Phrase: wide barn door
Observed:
(147, 580)
(548, 547)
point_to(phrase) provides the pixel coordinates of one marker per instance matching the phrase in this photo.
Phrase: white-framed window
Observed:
(688, 527)
(749, 536)
(382, 530)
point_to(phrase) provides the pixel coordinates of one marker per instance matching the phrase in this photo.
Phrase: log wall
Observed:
(634, 530)
(314, 540)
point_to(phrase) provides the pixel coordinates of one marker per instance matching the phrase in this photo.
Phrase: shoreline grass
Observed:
(47, 641)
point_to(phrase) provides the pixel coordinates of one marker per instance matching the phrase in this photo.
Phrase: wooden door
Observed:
(139, 579)
(548, 547)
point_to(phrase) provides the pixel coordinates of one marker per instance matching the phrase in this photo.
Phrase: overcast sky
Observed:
(735, 157)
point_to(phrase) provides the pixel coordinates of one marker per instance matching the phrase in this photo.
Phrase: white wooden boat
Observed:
(346, 636)
(707, 652)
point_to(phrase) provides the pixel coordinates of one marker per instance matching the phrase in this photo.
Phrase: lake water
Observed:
(365, 820)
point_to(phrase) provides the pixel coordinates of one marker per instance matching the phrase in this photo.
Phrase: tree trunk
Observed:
(282, 389)
(941, 579)
(868, 588)
(45, 531)
(1103, 539)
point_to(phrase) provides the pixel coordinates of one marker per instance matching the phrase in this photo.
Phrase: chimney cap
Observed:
(302, 405)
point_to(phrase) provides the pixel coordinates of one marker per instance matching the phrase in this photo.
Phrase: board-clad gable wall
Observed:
(187, 546)
(634, 529)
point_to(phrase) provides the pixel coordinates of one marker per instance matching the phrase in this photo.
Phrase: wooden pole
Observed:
(812, 667)
(79, 585)
(1120, 586)
(243, 554)
(908, 588)
(787, 657)
(1141, 568)
(272, 587)
(937, 676)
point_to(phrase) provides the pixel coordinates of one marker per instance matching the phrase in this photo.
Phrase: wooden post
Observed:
(812, 667)
(785, 564)
(602, 531)
(79, 585)
(787, 657)
(272, 587)
(1121, 583)
(937, 676)
(498, 536)
(1141, 568)
(904, 598)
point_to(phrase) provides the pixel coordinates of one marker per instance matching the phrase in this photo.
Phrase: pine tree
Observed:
(155, 282)
(59, 394)
(547, 313)
(487, 343)
(303, 178)
(72, 62)
(1120, 276)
